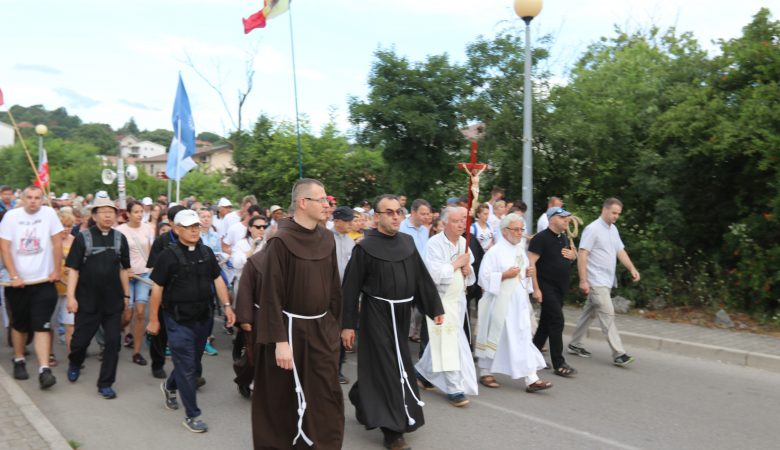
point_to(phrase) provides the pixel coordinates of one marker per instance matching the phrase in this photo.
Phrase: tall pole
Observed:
(295, 93)
(120, 177)
(528, 165)
(178, 160)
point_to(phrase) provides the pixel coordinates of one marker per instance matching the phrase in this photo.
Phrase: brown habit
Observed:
(300, 276)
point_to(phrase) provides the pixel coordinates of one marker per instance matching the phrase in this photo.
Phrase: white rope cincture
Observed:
(298, 387)
(404, 377)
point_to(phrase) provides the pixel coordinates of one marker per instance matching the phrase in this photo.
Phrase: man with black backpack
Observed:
(98, 292)
(186, 277)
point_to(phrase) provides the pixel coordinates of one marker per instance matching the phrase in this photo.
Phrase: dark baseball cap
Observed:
(344, 213)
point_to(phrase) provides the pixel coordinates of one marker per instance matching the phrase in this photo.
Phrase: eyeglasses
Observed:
(392, 213)
(323, 200)
(260, 227)
(515, 229)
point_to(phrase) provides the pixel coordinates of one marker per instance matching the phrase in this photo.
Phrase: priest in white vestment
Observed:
(504, 336)
(447, 362)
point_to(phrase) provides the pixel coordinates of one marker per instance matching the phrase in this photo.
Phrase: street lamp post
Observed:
(527, 10)
(131, 173)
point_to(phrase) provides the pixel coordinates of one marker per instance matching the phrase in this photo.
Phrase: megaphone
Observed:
(131, 172)
(108, 176)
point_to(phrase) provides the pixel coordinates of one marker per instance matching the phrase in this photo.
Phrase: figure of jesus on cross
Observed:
(473, 170)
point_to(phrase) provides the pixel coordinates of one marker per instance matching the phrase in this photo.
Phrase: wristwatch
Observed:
(227, 305)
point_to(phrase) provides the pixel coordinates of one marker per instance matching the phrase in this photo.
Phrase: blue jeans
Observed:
(186, 341)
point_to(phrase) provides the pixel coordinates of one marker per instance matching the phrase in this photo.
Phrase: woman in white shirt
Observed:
(252, 243)
(481, 230)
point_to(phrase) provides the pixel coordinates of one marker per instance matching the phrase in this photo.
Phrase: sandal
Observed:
(414, 339)
(538, 385)
(565, 371)
(52, 360)
(489, 381)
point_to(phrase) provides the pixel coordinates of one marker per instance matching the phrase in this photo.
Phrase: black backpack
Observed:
(91, 250)
(189, 272)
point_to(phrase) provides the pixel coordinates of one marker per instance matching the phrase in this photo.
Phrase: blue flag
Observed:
(181, 150)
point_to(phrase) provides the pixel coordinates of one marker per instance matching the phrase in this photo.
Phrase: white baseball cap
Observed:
(224, 203)
(147, 201)
(186, 218)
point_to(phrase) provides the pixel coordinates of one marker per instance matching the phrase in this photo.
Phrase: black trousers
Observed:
(85, 328)
(157, 346)
(551, 322)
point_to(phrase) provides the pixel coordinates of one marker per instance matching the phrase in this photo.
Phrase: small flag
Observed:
(1, 97)
(43, 169)
(271, 9)
(179, 161)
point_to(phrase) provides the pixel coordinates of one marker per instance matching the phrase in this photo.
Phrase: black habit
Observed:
(388, 267)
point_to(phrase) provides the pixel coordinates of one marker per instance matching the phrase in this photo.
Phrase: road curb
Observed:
(692, 349)
(54, 439)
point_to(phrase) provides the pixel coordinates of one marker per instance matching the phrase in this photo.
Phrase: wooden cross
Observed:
(473, 168)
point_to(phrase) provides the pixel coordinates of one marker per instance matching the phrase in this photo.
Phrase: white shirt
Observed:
(30, 238)
(498, 259)
(344, 246)
(542, 223)
(439, 254)
(238, 257)
(602, 241)
(228, 221)
(235, 233)
(485, 236)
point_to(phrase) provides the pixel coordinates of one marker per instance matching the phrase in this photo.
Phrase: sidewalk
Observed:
(22, 425)
(746, 349)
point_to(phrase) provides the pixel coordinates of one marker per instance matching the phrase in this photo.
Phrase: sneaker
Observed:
(138, 359)
(129, 340)
(52, 360)
(170, 398)
(623, 360)
(73, 373)
(107, 393)
(46, 379)
(20, 370)
(195, 425)
(343, 379)
(200, 383)
(228, 330)
(579, 351)
(210, 350)
(458, 399)
(159, 373)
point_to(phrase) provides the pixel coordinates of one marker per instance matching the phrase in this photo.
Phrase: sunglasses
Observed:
(261, 227)
(392, 213)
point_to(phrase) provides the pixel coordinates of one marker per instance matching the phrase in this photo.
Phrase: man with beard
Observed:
(297, 398)
(387, 270)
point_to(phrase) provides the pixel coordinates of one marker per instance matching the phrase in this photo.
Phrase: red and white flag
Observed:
(271, 9)
(1, 97)
(43, 170)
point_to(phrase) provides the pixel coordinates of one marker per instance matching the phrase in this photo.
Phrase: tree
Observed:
(210, 137)
(130, 127)
(159, 136)
(413, 113)
(100, 135)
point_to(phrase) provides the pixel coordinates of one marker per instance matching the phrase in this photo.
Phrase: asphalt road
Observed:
(661, 401)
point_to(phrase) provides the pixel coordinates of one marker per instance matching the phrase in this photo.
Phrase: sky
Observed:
(107, 61)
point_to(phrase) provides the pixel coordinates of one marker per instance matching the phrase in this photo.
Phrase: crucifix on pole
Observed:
(473, 170)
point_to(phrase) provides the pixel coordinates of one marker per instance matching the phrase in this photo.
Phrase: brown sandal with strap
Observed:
(538, 385)
(489, 381)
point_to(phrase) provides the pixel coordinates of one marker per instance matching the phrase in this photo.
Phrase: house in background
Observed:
(141, 149)
(218, 158)
(7, 137)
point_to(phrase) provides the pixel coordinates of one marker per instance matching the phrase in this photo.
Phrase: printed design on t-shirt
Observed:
(30, 243)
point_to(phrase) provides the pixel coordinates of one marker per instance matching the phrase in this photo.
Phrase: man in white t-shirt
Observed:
(237, 216)
(544, 222)
(224, 207)
(237, 231)
(31, 246)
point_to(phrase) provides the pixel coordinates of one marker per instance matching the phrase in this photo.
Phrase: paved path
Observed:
(664, 400)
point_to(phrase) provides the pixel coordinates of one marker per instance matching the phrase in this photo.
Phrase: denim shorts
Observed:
(139, 291)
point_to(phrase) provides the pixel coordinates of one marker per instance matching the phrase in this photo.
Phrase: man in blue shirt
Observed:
(415, 224)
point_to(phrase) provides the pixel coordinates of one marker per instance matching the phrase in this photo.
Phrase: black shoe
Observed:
(200, 383)
(129, 341)
(343, 379)
(20, 370)
(228, 330)
(46, 379)
(579, 351)
(397, 444)
(623, 360)
(159, 373)
(425, 384)
(138, 359)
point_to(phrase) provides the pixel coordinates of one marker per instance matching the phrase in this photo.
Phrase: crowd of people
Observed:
(300, 288)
